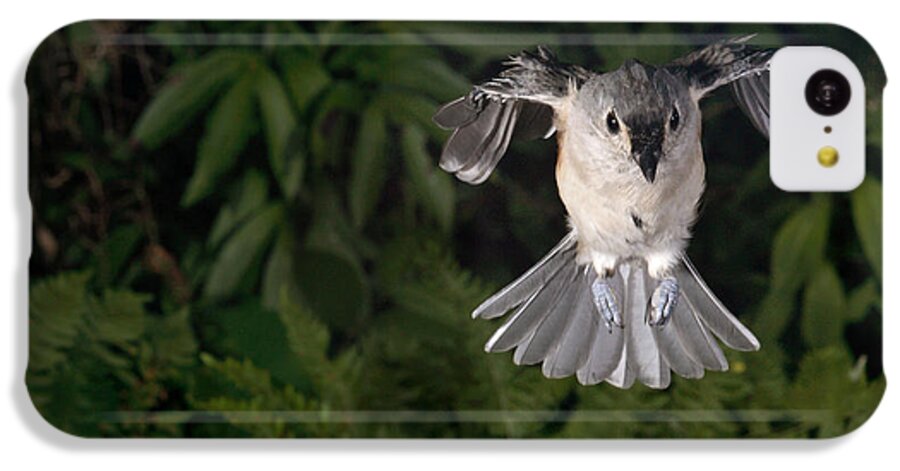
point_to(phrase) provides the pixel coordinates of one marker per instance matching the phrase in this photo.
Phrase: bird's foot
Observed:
(663, 302)
(606, 304)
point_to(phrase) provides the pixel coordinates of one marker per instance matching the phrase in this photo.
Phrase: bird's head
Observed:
(644, 114)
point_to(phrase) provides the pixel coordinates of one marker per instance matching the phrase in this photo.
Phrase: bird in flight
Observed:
(617, 299)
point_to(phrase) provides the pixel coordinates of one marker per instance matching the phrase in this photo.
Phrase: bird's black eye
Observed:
(674, 119)
(612, 122)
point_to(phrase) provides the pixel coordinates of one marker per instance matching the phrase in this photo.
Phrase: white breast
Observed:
(616, 212)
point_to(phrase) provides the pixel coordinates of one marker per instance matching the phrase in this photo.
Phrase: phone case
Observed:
(285, 229)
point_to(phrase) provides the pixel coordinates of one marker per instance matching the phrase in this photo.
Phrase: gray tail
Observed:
(555, 322)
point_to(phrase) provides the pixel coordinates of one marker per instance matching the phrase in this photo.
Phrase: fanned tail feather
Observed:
(555, 322)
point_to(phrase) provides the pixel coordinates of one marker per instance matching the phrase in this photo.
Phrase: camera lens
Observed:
(828, 92)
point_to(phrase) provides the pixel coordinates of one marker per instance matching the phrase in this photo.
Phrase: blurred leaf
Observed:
(186, 94)
(240, 251)
(867, 210)
(280, 126)
(334, 289)
(331, 229)
(433, 188)
(253, 332)
(772, 316)
(307, 337)
(253, 389)
(826, 386)
(118, 317)
(799, 245)
(655, 43)
(413, 69)
(279, 273)
(305, 77)
(252, 194)
(330, 122)
(229, 127)
(405, 109)
(824, 308)
(172, 338)
(116, 250)
(369, 167)
(57, 308)
(862, 299)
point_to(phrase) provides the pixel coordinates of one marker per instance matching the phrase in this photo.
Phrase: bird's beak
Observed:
(646, 150)
(647, 161)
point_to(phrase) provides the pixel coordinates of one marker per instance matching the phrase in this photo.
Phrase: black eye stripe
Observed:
(612, 122)
(674, 119)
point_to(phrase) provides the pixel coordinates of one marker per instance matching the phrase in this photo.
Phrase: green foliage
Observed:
(253, 239)
(93, 354)
(187, 94)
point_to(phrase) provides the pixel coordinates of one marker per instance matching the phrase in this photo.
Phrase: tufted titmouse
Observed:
(617, 299)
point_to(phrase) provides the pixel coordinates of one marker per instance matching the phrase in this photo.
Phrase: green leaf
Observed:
(279, 278)
(172, 339)
(369, 167)
(251, 331)
(861, 299)
(186, 94)
(307, 337)
(414, 70)
(824, 308)
(241, 250)
(331, 230)
(280, 128)
(304, 75)
(119, 316)
(866, 202)
(57, 308)
(405, 109)
(826, 384)
(331, 122)
(334, 288)
(229, 127)
(799, 245)
(432, 187)
(117, 250)
(251, 196)
(772, 316)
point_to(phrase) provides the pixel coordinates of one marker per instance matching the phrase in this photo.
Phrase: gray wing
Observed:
(517, 104)
(732, 62)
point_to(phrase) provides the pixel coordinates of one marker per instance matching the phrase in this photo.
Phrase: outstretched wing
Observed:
(519, 103)
(743, 66)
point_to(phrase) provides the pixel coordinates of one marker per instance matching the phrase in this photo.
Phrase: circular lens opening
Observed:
(828, 92)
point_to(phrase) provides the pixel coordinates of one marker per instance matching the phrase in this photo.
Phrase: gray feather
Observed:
(518, 103)
(550, 330)
(485, 158)
(752, 95)
(675, 354)
(457, 113)
(643, 355)
(712, 312)
(531, 314)
(696, 341)
(535, 122)
(571, 352)
(608, 346)
(622, 377)
(532, 280)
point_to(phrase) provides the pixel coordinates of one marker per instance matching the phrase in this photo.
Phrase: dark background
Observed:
(240, 230)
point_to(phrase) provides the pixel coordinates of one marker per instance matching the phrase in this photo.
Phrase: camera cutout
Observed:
(828, 92)
(817, 120)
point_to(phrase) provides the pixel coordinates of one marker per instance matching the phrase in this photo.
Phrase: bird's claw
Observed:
(606, 304)
(663, 302)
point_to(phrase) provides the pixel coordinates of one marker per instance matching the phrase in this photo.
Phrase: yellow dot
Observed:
(739, 367)
(828, 156)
